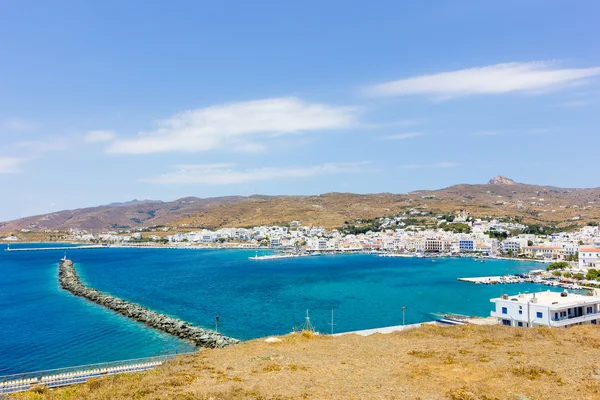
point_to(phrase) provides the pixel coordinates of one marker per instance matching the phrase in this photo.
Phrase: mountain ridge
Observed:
(501, 196)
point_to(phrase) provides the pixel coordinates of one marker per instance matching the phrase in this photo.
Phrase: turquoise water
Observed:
(42, 326)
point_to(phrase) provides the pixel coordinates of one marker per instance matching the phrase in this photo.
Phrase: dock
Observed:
(487, 280)
(57, 248)
(75, 375)
(388, 329)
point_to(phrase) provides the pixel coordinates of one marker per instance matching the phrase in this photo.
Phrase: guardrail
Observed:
(80, 374)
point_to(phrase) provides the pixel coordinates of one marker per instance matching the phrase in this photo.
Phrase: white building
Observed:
(553, 309)
(589, 257)
(514, 245)
(466, 245)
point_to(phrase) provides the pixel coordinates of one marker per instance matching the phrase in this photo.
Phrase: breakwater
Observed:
(69, 280)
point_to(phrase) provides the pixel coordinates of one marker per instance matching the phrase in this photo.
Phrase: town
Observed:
(411, 234)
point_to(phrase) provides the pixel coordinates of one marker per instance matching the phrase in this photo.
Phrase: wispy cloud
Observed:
(236, 126)
(227, 173)
(9, 165)
(486, 133)
(492, 79)
(575, 103)
(99, 136)
(403, 136)
(443, 164)
(19, 125)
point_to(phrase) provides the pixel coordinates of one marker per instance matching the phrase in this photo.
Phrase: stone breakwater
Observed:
(69, 280)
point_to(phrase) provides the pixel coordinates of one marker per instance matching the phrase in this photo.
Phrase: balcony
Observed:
(574, 320)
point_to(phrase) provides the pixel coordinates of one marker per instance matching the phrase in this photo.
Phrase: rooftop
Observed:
(590, 249)
(550, 299)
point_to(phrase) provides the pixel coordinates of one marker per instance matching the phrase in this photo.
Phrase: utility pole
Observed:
(331, 323)
(403, 311)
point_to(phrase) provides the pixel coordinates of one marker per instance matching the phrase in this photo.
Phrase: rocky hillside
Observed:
(532, 204)
(121, 215)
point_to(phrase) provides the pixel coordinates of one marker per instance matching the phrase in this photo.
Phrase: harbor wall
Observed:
(69, 280)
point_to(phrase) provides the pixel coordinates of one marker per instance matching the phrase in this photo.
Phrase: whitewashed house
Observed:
(552, 309)
(589, 257)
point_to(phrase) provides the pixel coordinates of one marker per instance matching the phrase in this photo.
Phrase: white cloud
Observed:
(444, 164)
(403, 136)
(19, 125)
(235, 126)
(99, 136)
(226, 173)
(492, 79)
(9, 165)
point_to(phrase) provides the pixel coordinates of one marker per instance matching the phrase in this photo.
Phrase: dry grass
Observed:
(460, 363)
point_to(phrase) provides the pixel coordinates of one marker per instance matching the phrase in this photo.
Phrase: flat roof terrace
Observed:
(553, 300)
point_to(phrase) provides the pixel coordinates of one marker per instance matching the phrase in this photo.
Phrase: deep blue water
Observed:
(42, 326)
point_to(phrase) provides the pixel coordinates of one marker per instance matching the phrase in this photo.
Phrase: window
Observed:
(504, 310)
(520, 312)
(506, 322)
(539, 315)
(520, 323)
(589, 310)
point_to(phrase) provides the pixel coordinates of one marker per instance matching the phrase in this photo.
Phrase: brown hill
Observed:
(531, 204)
(120, 215)
(502, 197)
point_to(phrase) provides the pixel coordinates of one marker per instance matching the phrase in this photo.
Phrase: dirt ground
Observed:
(456, 363)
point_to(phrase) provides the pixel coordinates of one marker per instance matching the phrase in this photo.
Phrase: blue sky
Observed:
(110, 101)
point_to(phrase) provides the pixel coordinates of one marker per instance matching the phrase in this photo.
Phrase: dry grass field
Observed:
(455, 363)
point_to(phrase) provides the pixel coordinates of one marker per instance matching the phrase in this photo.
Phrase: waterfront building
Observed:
(589, 257)
(514, 245)
(552, 309)
(545, 252)
(466, 245)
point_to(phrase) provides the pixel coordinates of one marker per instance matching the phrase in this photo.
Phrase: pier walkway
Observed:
(388, 329)
(81, 374)
(57, 248)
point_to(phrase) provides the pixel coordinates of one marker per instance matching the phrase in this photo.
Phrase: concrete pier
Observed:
(57, 248)
(70, 281)
(387, 329)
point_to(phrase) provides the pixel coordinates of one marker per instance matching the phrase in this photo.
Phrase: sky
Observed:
(110, 101)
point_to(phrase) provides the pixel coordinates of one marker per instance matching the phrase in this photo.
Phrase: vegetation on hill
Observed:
(456, 363)
(546, 209)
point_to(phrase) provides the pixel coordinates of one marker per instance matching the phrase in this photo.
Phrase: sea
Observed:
(44, 327)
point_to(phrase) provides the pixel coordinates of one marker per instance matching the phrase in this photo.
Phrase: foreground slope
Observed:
(466, 363)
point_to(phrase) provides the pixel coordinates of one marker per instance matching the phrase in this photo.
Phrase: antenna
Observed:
(308, 326)
(331, 323)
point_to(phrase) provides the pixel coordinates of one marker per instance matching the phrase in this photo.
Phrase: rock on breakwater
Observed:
(69, 280)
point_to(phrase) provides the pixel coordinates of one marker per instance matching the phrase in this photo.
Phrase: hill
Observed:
(452, 363)
(501, 197)
(120, 215)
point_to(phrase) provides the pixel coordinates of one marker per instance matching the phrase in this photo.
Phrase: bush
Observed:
(557, 265)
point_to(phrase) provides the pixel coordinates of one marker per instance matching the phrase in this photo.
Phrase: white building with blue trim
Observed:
(552, 309)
